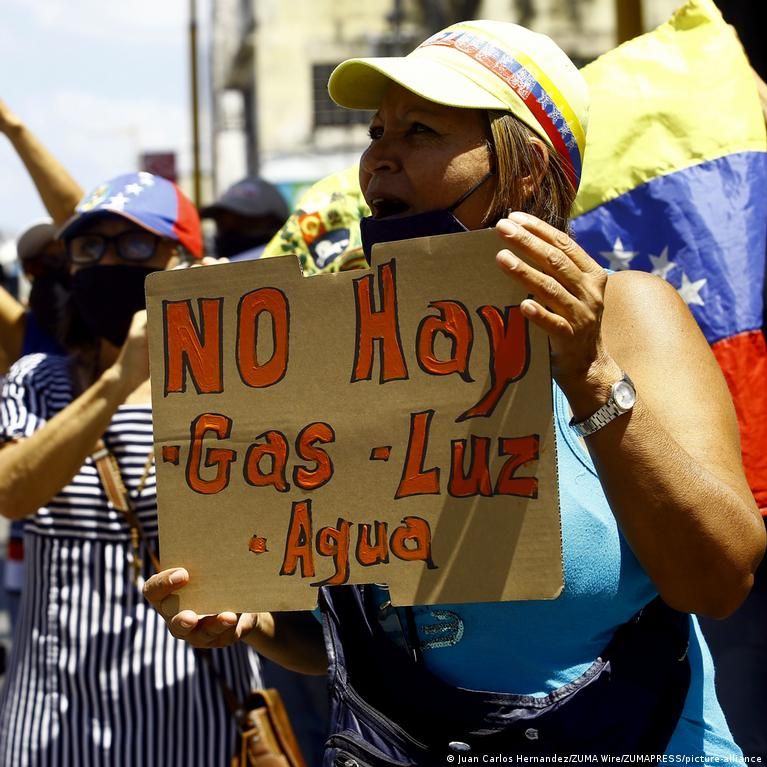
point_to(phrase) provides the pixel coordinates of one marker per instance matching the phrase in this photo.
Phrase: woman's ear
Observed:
(531, 183)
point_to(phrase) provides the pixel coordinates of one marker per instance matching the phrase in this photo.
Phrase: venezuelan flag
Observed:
(675, 183)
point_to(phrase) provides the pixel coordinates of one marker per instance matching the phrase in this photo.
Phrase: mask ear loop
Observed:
(465, 196)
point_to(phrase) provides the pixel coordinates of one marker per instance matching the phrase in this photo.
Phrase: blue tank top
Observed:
(535, 647)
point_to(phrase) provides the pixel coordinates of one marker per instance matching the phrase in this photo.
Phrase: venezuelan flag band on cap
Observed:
(524, 83)
(483, 65)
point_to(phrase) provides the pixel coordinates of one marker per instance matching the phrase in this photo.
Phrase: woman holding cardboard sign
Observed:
(94, 677)
(657, 519)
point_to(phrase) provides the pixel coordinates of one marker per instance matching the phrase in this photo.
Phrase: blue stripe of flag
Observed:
(712, 218)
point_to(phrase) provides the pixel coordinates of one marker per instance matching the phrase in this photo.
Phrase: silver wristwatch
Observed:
(623, 395)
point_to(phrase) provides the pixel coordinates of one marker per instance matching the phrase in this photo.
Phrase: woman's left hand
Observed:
(671, 468)
(203, 631)
(567, 288)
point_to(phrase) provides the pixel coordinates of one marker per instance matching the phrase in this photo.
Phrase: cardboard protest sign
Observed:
(392, 425)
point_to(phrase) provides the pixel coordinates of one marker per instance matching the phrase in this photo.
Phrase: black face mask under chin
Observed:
(107, 297)
(432, 222)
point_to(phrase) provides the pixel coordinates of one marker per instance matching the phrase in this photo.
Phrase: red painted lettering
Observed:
(310, 435)
(369, 553)
(380, 325)
(276, 450)
(298, 543)
(476, 481)
(415, 480)
(509, 355)
(193, 350)
(412, 541)
(221, 458)
(252, 305)
(521, 450)
(454, 323)
(334, 542)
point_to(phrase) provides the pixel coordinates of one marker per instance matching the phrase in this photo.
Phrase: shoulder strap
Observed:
(114, 487)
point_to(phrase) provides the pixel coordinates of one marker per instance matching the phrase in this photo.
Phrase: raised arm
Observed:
(671, 468)
(60, 193)
(12, 324)
(34, 469)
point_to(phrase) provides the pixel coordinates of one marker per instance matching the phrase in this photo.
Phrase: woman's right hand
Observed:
(202, 631)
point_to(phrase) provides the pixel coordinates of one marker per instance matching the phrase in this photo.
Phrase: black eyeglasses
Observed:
(135, 245)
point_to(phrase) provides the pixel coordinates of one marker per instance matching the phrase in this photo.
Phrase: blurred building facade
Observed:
(270, 61)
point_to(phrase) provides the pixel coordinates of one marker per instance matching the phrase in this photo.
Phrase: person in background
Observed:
(60, 193)
(38, 329)
(45, 321)
(93, 677)
(44, 263)
(247, 215)
(324, 229)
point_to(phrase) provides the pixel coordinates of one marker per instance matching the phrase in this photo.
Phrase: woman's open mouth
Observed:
(384, 207)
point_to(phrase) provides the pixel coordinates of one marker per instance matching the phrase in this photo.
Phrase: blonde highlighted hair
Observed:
(525, 179)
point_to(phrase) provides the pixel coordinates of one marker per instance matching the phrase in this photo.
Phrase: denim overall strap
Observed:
(388, 709)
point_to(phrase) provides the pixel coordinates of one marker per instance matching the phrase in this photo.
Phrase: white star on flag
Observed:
(147, 179)
(117, 202)
(134, 189)
(661, 265)
(619, 257)
(690, 291)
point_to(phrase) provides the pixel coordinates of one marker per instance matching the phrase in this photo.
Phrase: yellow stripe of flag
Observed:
(675, 97)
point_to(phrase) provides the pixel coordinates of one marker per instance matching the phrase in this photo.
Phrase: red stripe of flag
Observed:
(743, 359)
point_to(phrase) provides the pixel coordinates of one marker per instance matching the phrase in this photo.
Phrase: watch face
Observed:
(624, 395)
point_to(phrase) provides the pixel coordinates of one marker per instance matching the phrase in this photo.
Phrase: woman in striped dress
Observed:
(94, 679)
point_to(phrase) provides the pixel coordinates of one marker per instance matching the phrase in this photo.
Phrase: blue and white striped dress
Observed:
(94, 678)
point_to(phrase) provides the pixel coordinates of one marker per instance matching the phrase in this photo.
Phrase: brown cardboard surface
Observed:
(252, 363)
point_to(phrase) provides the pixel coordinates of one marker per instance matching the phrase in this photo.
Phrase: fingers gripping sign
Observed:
(567, 291)
(202, 631)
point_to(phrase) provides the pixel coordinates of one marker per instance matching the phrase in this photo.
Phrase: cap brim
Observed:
(77, 222)
(210, 211)
(362, 83)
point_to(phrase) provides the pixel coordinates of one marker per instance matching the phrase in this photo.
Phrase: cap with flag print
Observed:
(675, 183)
(149, 201)
(483, 65)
